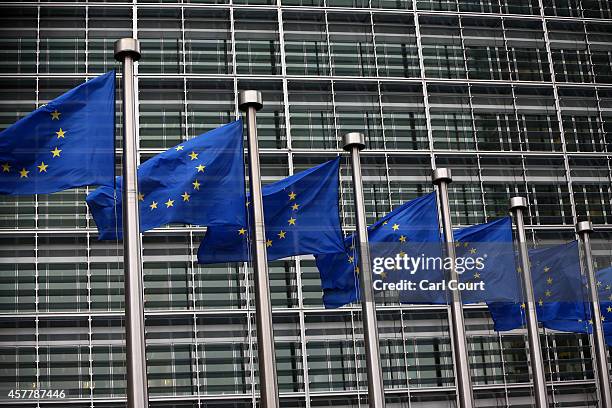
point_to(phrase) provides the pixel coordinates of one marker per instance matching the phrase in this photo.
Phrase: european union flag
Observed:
(200, 181)
(413, 222)
(69, 142)
(557, 285)
(301, 215)
(568, 322)
(490, 247)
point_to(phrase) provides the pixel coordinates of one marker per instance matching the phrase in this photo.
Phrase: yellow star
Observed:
(241, 231)
(291, 221)
(196, 185)
(385, 223)
(603, 318)
(473, 251)
(268, 243)
(610, 298)
(56, 152)
(395, 227)
(200, 168)
(295, 206)
(608, 287)
(546, 269)
(522, 306)
(383, 275)
(292, 195)
(457, 244)
(248, 203)
(185, 196)
(549, 281)
(282, 234)
(140, 197)
(193, 155)
(609, 309)
(465, 244)
(476, 275)
(402, 238)
(591, 321)
(6, 167)
(169, 203)
(351, 259)
(23, 173)
(357, 270)
(153, 205)
(541, 302)
(179, 148)
(548, 293)
(55, 115)
(598, 283)
(42, 167)
(60, 133)
(401, 253)
(519, 269)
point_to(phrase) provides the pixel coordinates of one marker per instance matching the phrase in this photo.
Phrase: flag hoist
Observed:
(250, 102)
(517, 206)
(442, 177)
(584, 229)
(353, 143)
(127, 51)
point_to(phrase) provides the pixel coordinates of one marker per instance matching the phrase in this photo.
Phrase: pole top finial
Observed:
(125, 47)
(584, 226)
(250, 98)
(518, 203)
(353, 139)
(441, 174)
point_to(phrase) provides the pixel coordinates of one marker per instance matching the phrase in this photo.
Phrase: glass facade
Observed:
(514, 95)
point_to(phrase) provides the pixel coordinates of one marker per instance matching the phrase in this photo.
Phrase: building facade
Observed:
(515, 96)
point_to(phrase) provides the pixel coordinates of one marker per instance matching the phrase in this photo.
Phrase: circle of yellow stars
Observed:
(282, 234)
(186, 196)
(42, 167)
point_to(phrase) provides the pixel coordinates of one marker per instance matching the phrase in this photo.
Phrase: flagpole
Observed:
(127, 51)
(517, 206)
(442, 177)
(251, 102)
(584, 229)
(353, 143)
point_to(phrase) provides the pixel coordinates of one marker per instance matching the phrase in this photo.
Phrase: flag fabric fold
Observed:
(558, 286)
(67, 143)
(415, 221)
(200, 181)
(301, 216)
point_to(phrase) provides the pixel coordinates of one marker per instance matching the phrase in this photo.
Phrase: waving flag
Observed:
(200, 181)
(67, 143)
(301, 215)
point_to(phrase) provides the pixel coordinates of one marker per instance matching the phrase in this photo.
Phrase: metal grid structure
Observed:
(514, 95)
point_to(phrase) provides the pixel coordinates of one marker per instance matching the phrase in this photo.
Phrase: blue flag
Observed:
(558, 289)
(584, 324)
(491, 245)
(301, 215)
(200, 181)
(413, 222)
(67, 143)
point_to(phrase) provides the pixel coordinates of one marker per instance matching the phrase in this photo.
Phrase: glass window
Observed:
(451, 118)
(569, 52)
(161, 117)
(208, 45)
(527, 50)
(538, 120)
(257, 43)
(485, 49)
(19, 26)
(105, 26)
(351, 46)
(62, 40)
(311, 113)
(358, 107)
(582, 127)
(306, 49)
(159, 32)
(599, 37)
(442, 51)
(495, 118)
(591, 181)
(271, 127)
(396, 47)
(403, 110)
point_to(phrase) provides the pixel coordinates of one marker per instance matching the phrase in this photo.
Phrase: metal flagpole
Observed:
(584, 229)
(127, 51)
(442, 177)
(353, 143)
(517, 206)
(251, 102)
